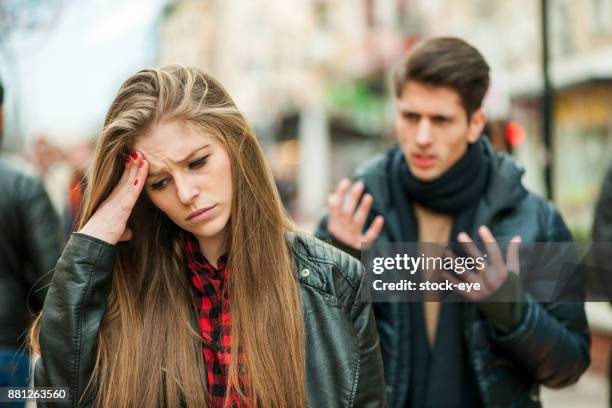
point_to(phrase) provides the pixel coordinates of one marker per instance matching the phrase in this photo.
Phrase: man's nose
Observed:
(423, 137)
(186, 191)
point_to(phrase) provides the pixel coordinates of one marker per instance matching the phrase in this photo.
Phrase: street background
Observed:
(312, 78)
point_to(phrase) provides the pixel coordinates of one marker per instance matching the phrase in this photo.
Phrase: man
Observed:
(444, 183)
(30, 241)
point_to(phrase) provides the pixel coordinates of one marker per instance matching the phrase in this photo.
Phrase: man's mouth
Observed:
(423, 161)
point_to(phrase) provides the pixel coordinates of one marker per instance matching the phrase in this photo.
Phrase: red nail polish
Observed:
(135, 155)
(136, 182)
(128, 159)
(141, 164)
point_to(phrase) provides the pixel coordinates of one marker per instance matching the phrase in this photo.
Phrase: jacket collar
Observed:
(504, 188)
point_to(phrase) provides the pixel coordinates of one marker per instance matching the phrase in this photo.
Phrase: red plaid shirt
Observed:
(212, 302)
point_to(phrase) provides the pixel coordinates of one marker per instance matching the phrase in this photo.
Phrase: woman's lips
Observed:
(200, 214)
(423, 161)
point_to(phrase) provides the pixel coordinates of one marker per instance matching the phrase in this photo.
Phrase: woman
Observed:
(198, 292)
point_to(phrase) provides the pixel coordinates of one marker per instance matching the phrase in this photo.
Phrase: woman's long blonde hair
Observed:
(149, 348)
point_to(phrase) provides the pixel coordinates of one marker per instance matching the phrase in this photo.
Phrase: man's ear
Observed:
(477, 123)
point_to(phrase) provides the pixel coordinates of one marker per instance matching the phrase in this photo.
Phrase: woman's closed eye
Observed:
(199, 163)
(158, 185)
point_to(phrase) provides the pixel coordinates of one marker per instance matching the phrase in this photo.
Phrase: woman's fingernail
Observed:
(135, 155)
(128, 159)
(141, 164)
(136, 182)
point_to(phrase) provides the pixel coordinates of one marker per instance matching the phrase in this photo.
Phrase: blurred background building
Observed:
(312, 78)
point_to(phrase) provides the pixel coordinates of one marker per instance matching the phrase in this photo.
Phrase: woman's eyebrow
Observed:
(187, 158)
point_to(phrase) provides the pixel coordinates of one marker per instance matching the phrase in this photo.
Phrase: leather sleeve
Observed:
(71, 316)
(552, 342)
(371, 391)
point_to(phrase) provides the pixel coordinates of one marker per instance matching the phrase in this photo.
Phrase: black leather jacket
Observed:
(549, 347)
(343, 361)
(30, 243)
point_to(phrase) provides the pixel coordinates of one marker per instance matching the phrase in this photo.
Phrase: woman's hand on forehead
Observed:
(109, 222)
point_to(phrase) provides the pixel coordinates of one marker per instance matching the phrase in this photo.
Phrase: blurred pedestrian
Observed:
(30, 244)
(148, 322)
(444, 183)
(45, 155)
(601, 254)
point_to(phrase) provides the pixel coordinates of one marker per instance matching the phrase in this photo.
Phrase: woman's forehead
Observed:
(173, 142)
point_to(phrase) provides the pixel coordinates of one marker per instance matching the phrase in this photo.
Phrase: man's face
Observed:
(433, 130)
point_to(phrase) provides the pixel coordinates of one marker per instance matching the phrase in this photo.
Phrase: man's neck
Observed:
(433, 226)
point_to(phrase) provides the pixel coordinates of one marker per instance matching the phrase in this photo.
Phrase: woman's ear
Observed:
(477, 124)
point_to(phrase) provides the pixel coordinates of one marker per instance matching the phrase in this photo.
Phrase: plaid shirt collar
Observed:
(197, 264)
(212, 302)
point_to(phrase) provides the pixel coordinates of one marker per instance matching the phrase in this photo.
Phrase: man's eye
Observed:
(412, 117)
(158, 185)
(440, 119)
(199, 163)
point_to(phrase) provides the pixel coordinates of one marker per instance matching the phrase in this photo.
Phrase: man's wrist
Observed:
(504, 308)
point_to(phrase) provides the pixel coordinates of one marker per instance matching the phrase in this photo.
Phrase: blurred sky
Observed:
(61, 74)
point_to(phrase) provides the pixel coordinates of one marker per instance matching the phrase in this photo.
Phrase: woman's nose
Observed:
(186, 192)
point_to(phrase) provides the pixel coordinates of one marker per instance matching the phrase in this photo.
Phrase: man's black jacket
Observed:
(550, 346)
(30, 244)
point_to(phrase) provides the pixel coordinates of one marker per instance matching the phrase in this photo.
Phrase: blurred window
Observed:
(562, 27)
(582, 160)
(601, 16)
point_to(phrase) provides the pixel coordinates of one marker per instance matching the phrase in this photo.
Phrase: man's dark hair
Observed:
(1, 93)
(446, 62)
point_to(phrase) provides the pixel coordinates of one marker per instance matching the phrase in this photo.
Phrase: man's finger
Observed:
(333, 207)
(468, 245)
(496, 258)
(512, 255)
(362, 213)
(453, 279)
(448, 253)
(342, 187)
(374, 231)
(333, 202)
(351, 200)
(340, 216)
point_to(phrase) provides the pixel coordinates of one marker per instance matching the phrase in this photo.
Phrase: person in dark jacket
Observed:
(30, 244)
(199, 292)
(444, 183)
(602, 237)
